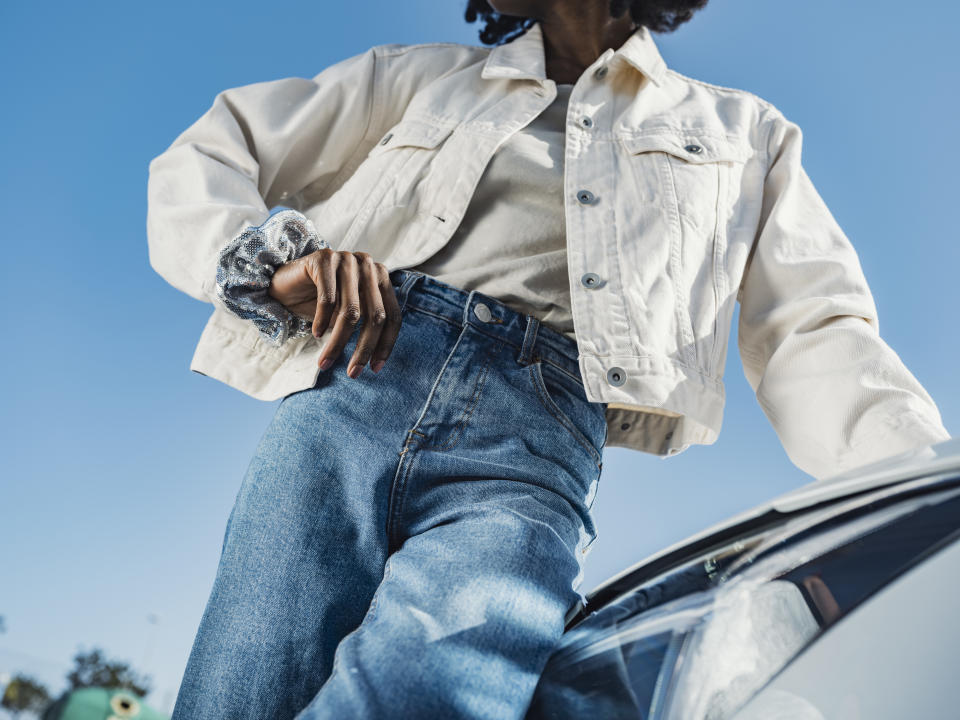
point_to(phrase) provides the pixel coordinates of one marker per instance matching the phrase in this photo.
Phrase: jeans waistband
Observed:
(533, 340)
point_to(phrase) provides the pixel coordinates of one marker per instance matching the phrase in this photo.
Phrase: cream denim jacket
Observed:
(681, 199)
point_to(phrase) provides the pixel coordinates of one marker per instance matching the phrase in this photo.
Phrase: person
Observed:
(536, 245)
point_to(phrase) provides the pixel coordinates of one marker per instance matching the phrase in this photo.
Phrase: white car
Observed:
(837, 601)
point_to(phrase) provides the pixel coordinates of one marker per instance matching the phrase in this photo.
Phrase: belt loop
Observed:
(409, 278)
(466, 307)
(529, 340)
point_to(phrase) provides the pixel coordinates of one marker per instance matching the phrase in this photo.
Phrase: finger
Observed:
(299, 286)
(391, 325)
(292, 285)
(373, 312)
(348, 310)
(324, 275)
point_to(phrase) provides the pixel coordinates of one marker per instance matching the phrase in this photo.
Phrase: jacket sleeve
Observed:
(257, 146)
(835, 393)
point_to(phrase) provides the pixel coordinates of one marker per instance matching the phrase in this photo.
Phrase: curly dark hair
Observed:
(660, 16)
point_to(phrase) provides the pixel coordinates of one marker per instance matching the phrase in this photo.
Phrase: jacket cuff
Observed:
(246, 266)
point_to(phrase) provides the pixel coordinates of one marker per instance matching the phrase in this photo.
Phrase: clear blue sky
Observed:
(120, 465)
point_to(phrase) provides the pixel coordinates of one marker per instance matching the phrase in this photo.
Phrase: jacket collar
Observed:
(523, 57)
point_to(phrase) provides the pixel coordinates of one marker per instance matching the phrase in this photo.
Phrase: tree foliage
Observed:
(92, 669)
(24, 694)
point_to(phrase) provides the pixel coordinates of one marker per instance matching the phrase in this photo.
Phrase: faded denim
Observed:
(407, 544)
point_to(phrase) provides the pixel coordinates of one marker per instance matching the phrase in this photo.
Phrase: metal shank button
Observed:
(482, 312)
(616, 376)
(601, 71)
(585, 197)
(589, 280)
(386, 139)
(695, 149)
(586, 121)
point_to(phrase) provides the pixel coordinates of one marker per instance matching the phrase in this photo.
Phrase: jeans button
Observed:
(482, 312)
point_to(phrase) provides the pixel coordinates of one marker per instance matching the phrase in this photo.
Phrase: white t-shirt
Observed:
(512, 242)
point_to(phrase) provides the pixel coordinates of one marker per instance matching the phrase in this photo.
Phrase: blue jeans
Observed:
(406, 544)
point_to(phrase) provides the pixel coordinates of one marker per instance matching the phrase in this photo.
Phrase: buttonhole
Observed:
(440, 218)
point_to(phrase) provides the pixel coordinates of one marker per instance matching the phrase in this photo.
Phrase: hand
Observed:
(342, 288)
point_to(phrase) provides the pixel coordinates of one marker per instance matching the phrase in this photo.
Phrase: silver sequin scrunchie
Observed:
(246, 266)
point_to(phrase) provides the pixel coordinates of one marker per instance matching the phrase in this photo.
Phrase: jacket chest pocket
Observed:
(404, 156)
(389, 181)
(682, 180)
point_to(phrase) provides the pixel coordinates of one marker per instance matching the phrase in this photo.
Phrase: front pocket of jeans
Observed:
(560, 396)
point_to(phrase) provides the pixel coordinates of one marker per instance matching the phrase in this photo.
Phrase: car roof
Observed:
(931, 460)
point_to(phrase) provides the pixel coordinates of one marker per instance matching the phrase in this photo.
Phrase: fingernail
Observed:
(378, 365)
(327, 362)
(354, 371)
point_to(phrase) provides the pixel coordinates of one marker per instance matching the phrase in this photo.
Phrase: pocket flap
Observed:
(692, 147)
(412, 133)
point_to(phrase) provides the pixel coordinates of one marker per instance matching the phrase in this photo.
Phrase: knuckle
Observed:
(378, 317)
(327, 298)
(312, 266)
(313, 260)
(353, 313)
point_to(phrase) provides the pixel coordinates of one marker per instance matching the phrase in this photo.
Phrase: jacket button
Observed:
(386, 139)
(585, 197)
(616, 376)
(589, 280)
(586, 121)
(695, 149)
(482, 312)
(600, 72)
